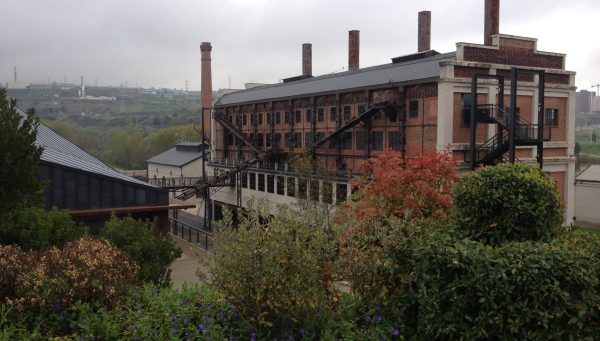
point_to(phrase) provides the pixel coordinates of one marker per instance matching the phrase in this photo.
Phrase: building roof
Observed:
(427, 67)
(59, 150)
(591, 173)
(179, 155)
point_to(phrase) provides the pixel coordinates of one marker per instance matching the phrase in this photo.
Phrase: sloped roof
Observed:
(423, 68)
(177, 158)
(591, 173)
(59, 150)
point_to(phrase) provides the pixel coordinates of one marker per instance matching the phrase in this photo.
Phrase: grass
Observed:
(593, 230)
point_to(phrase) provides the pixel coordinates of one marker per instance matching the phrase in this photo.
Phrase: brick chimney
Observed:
(206, 88)
(353, 49)
(306, 59)
(491, 21)
(424, 31)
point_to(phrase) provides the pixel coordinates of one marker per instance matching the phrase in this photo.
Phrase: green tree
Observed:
(152, 253)
(19, 157)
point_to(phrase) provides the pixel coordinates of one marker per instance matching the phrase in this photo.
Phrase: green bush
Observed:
(152, 253)
(507, 202)
(278, 274)
(464, 289)
(38, 229)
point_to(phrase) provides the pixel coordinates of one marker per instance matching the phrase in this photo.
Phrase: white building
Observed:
(587, 196)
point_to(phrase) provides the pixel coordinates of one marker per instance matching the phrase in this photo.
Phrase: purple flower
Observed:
(185, 320)
(208, 306)
(378, 319)
(201, 328)
(61, 317)
(395, 331)
(302, 332)
(71, 325)
(155, 332)
(368, 318)
(57, 306)
(253, 336)
(185, 301)
(155, 290)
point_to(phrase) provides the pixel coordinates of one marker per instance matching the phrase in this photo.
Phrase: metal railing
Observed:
(191, 234)
(174, 182)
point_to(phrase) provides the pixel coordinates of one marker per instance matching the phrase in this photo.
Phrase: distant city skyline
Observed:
(156, 44)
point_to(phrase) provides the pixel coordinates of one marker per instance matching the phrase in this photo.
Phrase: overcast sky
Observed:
(156, 43)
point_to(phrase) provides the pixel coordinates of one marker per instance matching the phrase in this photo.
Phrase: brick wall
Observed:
(513, 51)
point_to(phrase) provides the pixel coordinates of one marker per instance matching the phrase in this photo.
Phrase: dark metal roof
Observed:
(427, 67)
(59, 150)
(177, 157)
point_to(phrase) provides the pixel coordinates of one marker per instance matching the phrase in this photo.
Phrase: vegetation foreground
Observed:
(415, 253)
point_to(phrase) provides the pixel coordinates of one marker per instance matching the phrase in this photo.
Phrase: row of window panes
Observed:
(241, 119)
(306, 189)
(294, 140)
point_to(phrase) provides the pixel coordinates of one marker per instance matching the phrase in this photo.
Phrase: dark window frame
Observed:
(413, 108)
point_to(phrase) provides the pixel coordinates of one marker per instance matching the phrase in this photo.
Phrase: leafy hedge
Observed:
(507, 202)
(154, 254)
(462, 289)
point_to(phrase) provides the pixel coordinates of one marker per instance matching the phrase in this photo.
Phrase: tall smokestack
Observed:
(15, 74)
(353, 49)
(424, 31)
(206, 89)
(306, 59)
(492, 20)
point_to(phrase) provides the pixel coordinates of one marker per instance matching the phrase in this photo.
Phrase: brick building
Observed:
(417, 104)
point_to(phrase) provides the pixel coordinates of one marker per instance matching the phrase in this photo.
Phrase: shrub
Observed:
(38, 229)
(84, 270)
(464, 289)
(152, 253)
(279, 274)
(507, 202)
(395, 192)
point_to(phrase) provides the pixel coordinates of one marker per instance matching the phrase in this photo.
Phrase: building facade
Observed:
(417, 104)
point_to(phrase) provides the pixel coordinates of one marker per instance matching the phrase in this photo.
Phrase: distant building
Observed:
(587, 196)
(17, 85)
(583, 102)
(177, 166)
(90, 190)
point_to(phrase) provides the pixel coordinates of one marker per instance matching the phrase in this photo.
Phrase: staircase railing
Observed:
(222, 119)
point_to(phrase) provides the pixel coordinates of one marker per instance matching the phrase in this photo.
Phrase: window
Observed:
(271, 183)
(347, 113)
(361, 108)
(333, 114)
(288, 142)
(244, 119)
(268, 118)
(302, 188)
(326, 191)
(268, 137)
(465, 110)
(277, 117)
(347, 140)
(320, 136)
(291, 186)
(377, 140)
(298, 116)
(244, 176)
(360, 140)
(308, 139)
(238, 119)
(260, 140)
(394, 140)
(551, 118)
(276, 140)
(413, 108)
(321, 114)
(308, 115)
(252, 180)
(341, 191)
(287, 117)
(298, 140)
(261, 182)
(313, 190)
(280, 185)
(229, 138)
(260, 118)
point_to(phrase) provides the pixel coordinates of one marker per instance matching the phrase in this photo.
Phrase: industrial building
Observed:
(499, 101)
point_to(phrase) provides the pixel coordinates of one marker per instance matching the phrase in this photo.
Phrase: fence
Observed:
(191, 234)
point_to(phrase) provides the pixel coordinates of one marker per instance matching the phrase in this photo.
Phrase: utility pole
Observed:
(15, 68)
